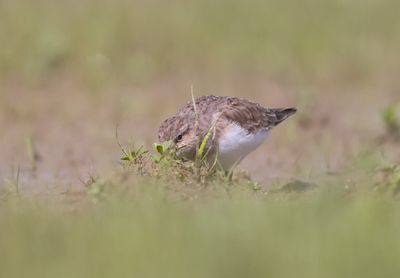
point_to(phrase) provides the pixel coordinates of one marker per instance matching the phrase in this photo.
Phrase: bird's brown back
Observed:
(250, 115)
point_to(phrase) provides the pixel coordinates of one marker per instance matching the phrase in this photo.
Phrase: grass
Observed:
(150, 236)
(391, 121)
(115, 41)
(217, 240)
(163, 222)
(13, 185)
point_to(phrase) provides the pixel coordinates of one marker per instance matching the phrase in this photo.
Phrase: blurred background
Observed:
(70, 71)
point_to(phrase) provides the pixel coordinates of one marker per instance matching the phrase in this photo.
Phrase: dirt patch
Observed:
(72, 128)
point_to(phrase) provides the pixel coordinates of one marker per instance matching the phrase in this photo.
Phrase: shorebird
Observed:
(229, 128)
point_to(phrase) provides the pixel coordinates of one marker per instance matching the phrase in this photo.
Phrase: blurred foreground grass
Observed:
(140, 226)
(153, 237)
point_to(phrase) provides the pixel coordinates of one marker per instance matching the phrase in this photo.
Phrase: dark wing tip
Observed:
(290, 111)
(282, 114)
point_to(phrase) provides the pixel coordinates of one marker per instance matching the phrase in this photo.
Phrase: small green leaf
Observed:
(159, 148)
(204, 143)
(389, 116)
(162, 148)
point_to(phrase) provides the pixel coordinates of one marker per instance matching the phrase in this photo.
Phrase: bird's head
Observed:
(180, 132)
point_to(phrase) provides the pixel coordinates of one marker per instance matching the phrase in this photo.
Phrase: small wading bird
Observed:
(222, 129)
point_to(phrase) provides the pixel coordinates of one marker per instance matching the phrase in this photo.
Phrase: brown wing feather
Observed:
(249, 115)
(253, 116)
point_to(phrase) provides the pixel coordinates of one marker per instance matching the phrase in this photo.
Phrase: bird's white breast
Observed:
(236, 142)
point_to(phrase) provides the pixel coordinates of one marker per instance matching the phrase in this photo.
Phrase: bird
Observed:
(228, 128)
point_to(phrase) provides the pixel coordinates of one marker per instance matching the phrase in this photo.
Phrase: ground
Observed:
(73, 129)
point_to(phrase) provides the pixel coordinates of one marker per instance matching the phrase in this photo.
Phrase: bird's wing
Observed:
(253, 116)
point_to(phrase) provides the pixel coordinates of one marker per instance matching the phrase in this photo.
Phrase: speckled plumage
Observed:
(217, 114)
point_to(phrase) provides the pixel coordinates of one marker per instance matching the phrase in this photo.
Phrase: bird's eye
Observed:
(179, 138)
